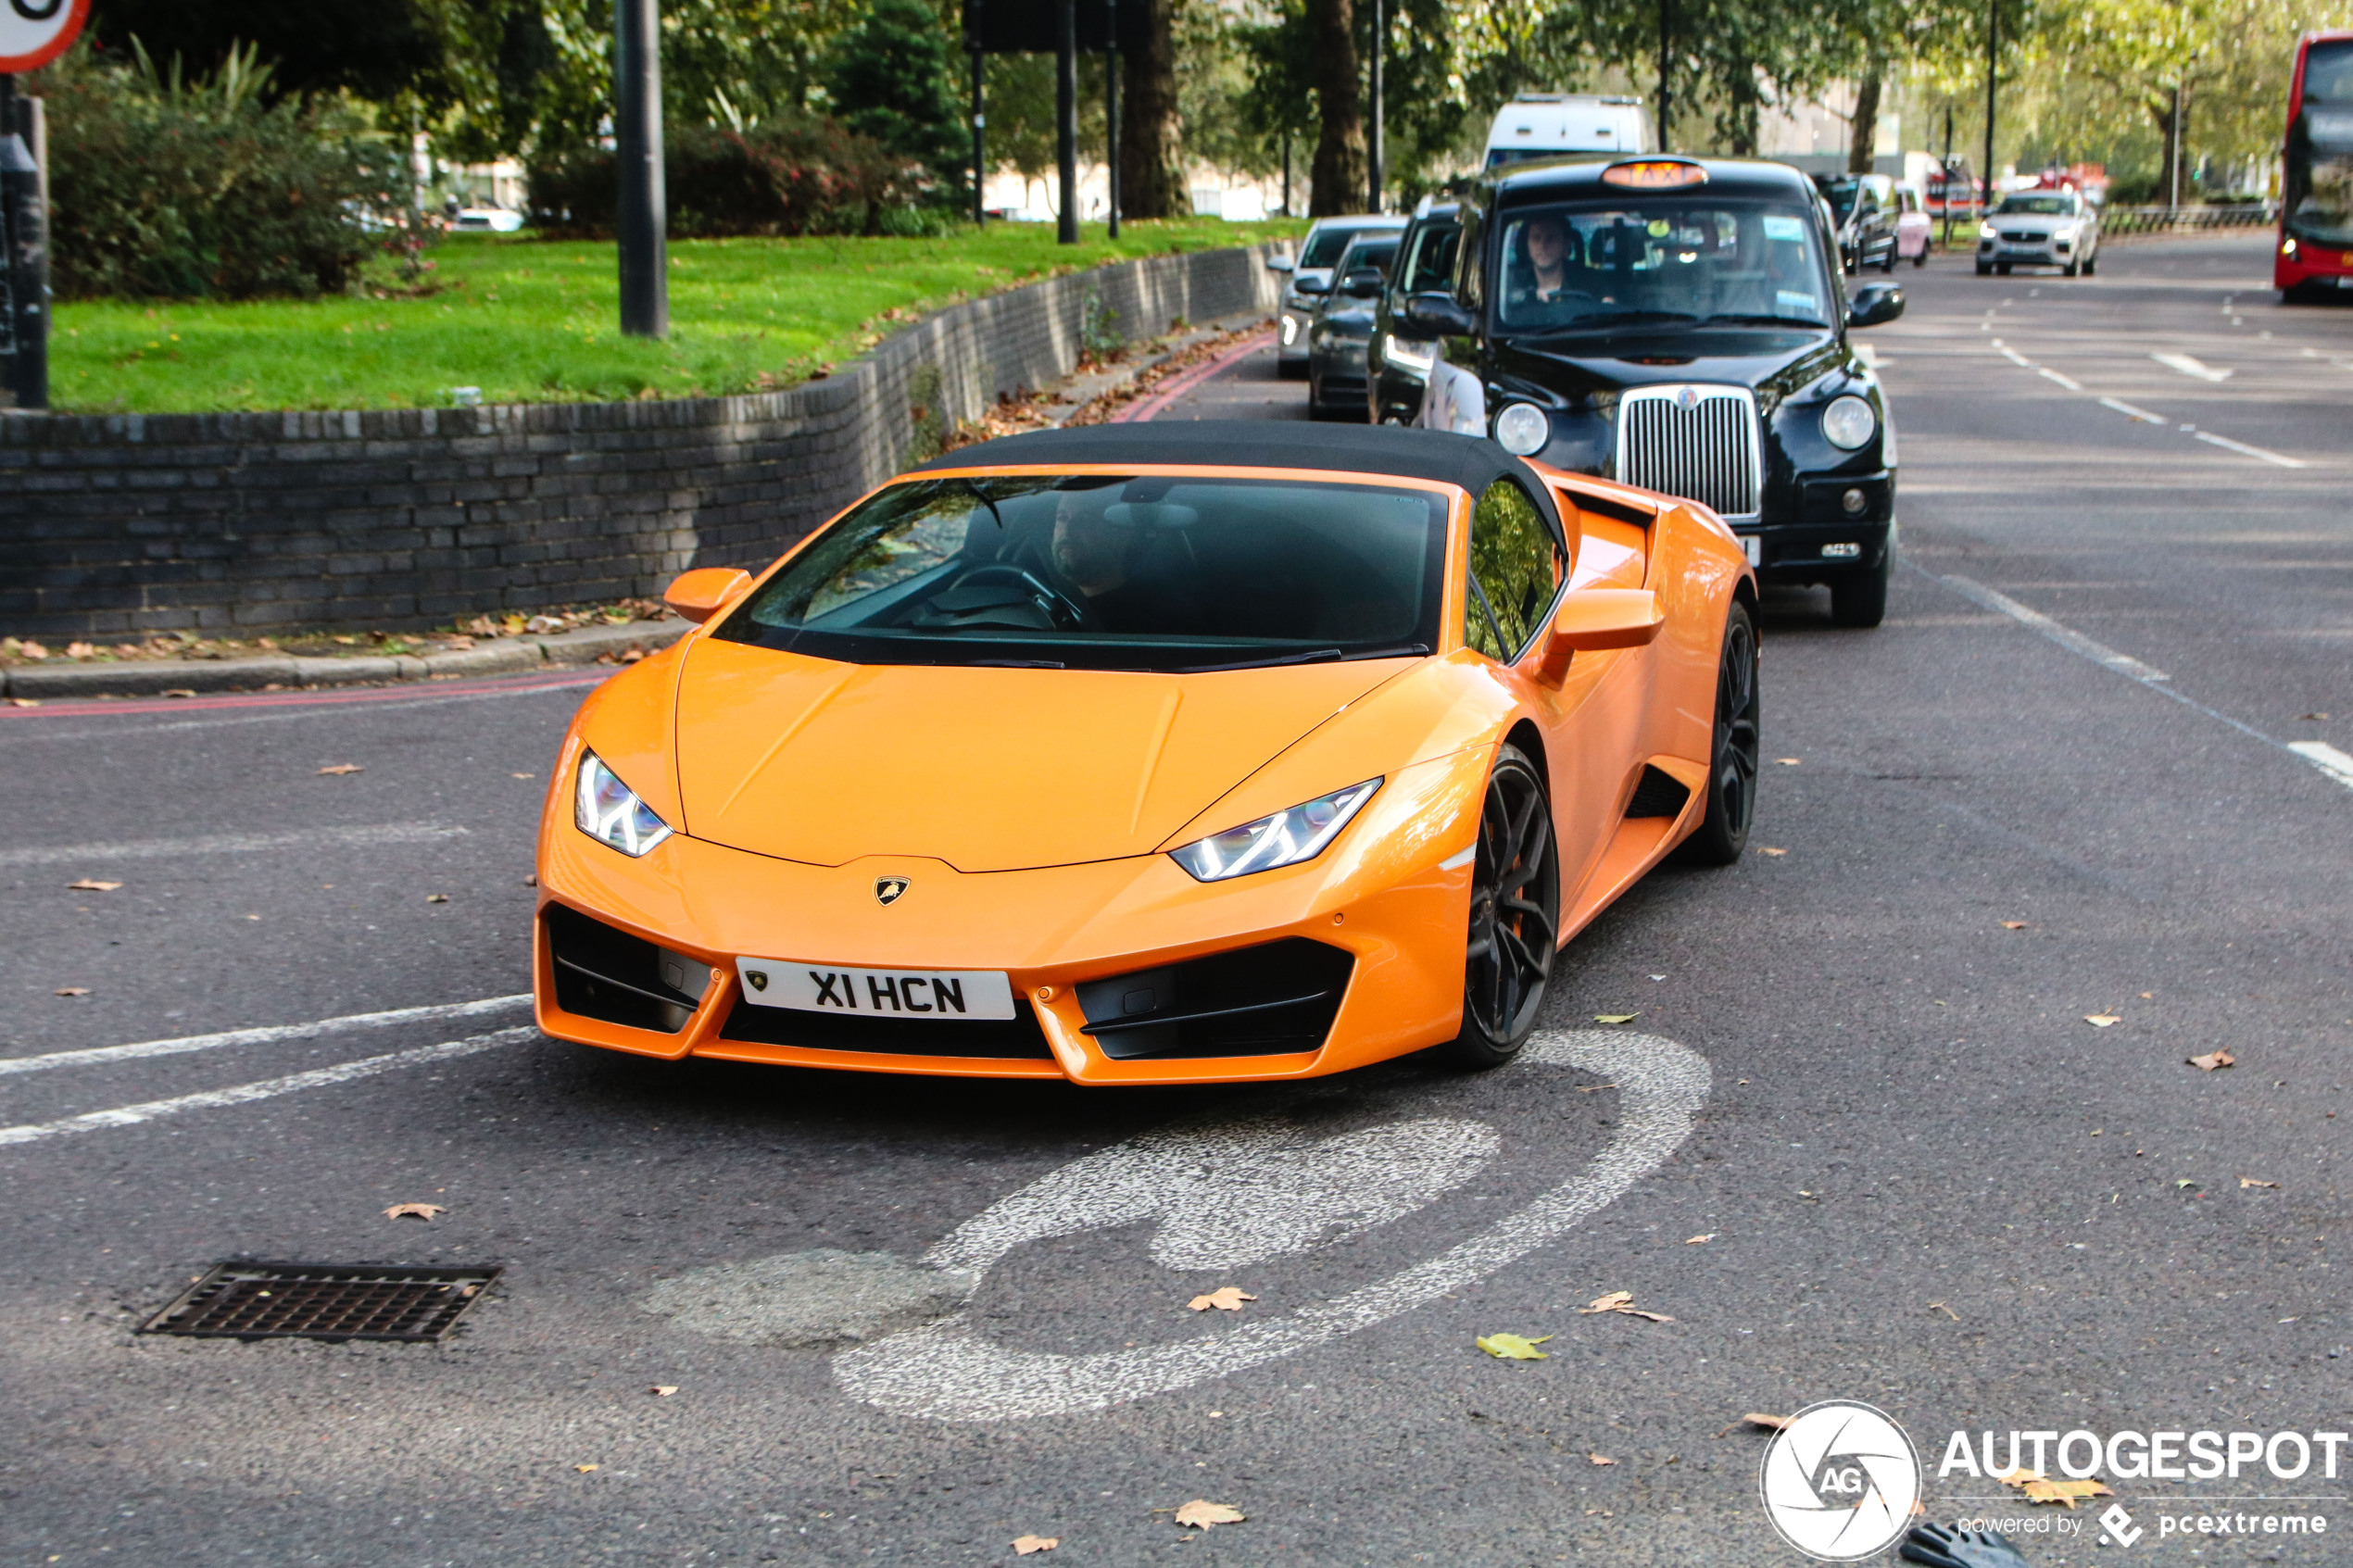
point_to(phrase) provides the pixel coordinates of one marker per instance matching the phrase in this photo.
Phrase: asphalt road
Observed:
(1923, 1180)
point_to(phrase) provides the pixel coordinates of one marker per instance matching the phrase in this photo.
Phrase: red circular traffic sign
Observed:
(33, 32)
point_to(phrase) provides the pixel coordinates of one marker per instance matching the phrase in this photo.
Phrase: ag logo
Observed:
(888, 888)
(1840, 1480)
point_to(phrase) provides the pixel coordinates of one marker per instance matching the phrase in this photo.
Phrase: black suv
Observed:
(1863, 209)
(1682, 324)
(1400, 362)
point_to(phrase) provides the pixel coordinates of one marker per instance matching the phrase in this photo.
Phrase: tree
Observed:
(1151, 164)
(889, 79)
(1339, 171)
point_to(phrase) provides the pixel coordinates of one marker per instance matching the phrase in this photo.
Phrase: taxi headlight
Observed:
(1521, 429)
(1285, 838)
(610, 811)
(1848, 423)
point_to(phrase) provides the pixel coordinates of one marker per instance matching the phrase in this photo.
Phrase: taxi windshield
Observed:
(1662, 259)
(1096, 571)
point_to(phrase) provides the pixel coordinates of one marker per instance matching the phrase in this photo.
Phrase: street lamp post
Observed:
(1111, 108)
(980, 132)
(1066, 118)
(24, 259)
(1372, 164)
(1992, 41)
(645, 262)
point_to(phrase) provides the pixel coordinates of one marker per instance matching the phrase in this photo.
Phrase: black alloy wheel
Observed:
(1515, 916)
(1731, 763)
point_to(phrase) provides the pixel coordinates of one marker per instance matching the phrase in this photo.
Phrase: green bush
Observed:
(795, 174)
(170, 189)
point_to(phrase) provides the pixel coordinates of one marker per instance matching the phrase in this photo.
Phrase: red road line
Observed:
(1151, 408)
(84, 707)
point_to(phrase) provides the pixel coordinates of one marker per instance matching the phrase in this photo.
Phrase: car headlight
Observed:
(1284, 839)
(610, 811)
(1521, 429)
(1848, 423)
(1417, 358)
(1987, 232)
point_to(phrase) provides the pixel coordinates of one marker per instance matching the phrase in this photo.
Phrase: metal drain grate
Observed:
(322, 1301)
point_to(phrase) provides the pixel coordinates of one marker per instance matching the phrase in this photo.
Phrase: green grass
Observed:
(532, 321)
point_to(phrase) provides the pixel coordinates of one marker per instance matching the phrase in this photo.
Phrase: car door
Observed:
(1518, 573)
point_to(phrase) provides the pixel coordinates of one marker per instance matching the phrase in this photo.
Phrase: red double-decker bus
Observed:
(2316, 207)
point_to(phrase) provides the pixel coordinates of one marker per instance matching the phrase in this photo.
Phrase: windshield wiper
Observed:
(1757, 319)
(1404, 650)
(1016, 663)
(1312, 656)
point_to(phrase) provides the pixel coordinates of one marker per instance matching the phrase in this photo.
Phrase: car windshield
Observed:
(1431, 263)
(1369, 252)
(1840, 194)
(1324, 247)
(1662, 259)
(1172, 573)
(2048, 203)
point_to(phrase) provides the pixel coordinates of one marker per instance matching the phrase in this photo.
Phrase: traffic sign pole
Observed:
(24, 242)
(645, 248)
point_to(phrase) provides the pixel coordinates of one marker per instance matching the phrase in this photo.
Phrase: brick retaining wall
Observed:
(129, 523)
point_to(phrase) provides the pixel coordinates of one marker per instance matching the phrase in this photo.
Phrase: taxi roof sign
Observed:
(1654, 174)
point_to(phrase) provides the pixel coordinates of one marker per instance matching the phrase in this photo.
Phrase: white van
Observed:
(1539, 125)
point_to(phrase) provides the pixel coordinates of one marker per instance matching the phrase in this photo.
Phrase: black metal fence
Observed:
(2187, 219)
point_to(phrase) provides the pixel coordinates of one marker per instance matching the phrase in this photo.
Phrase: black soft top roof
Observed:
(1471, 461)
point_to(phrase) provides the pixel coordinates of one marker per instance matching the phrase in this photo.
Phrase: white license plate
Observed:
(876, 993)
(1755, 548)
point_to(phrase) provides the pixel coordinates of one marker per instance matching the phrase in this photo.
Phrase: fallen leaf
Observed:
(1025, 1545)
(1769, 1423)
(584, 1468)
(342, 768)
(532, 881)
(1616, 1017)
(1511, 1348)
(2253, 1181)
(1695, 1240)
(2039, 1487)
(92, 884)
(2184, 1182)
(1202, 1513)
(1786, 762)
(1600, 1458)
(1940, 1307)
(2212, 1062)
(1767, 849)
(414, 1211)
(437, 897)
(1593, 1088)
(1623, 1302)
(1226, 1298)
(2101, 1020)
(663, 1390)
(519, 775)
(2013, 925)
(25, 701)
(73, 990)
(2315, 718)
(179, 691)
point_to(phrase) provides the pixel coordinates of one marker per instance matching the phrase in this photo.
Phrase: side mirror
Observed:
(1363, 283)
(1874, 303)
(704, 591)
(1438, 315)
(1594, 620)
(1311, 285)
(1280, 264)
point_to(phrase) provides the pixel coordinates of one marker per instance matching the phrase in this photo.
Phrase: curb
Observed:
(507, 656)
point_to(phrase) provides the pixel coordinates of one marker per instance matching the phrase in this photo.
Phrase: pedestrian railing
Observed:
(2187, 219)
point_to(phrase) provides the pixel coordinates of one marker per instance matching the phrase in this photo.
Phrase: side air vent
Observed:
(610, 975)
(1657, 795)
(1275, 1000)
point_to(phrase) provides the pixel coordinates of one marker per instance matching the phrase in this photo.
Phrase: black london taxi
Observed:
(1680, 323)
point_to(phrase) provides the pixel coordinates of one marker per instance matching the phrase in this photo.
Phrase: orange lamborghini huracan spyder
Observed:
(1149, 754)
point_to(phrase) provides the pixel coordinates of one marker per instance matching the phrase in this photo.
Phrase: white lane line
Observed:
(2015, 357)
(2066, 637)
(2326, 758)
(2243, 448)
(2330, 760)
(2068, 381)
(948, 1370)
(2191, 367)
(262, 1035)
(241, 1093)
(228, 844)
(2127, 409)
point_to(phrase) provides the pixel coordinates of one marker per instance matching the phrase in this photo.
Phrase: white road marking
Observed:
(2326, 758)
(2189, 366)
(2068, 381)
(228, 844)
(2015, 357)
(262, 1035)
(948, 1372)
(2126, 408)
(2066, 637)
(2241, 447)
(241, 1093)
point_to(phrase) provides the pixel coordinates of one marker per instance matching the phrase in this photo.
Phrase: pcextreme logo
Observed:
(1840, 1480)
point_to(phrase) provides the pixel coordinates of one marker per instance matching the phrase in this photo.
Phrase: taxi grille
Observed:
(1706, 452)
